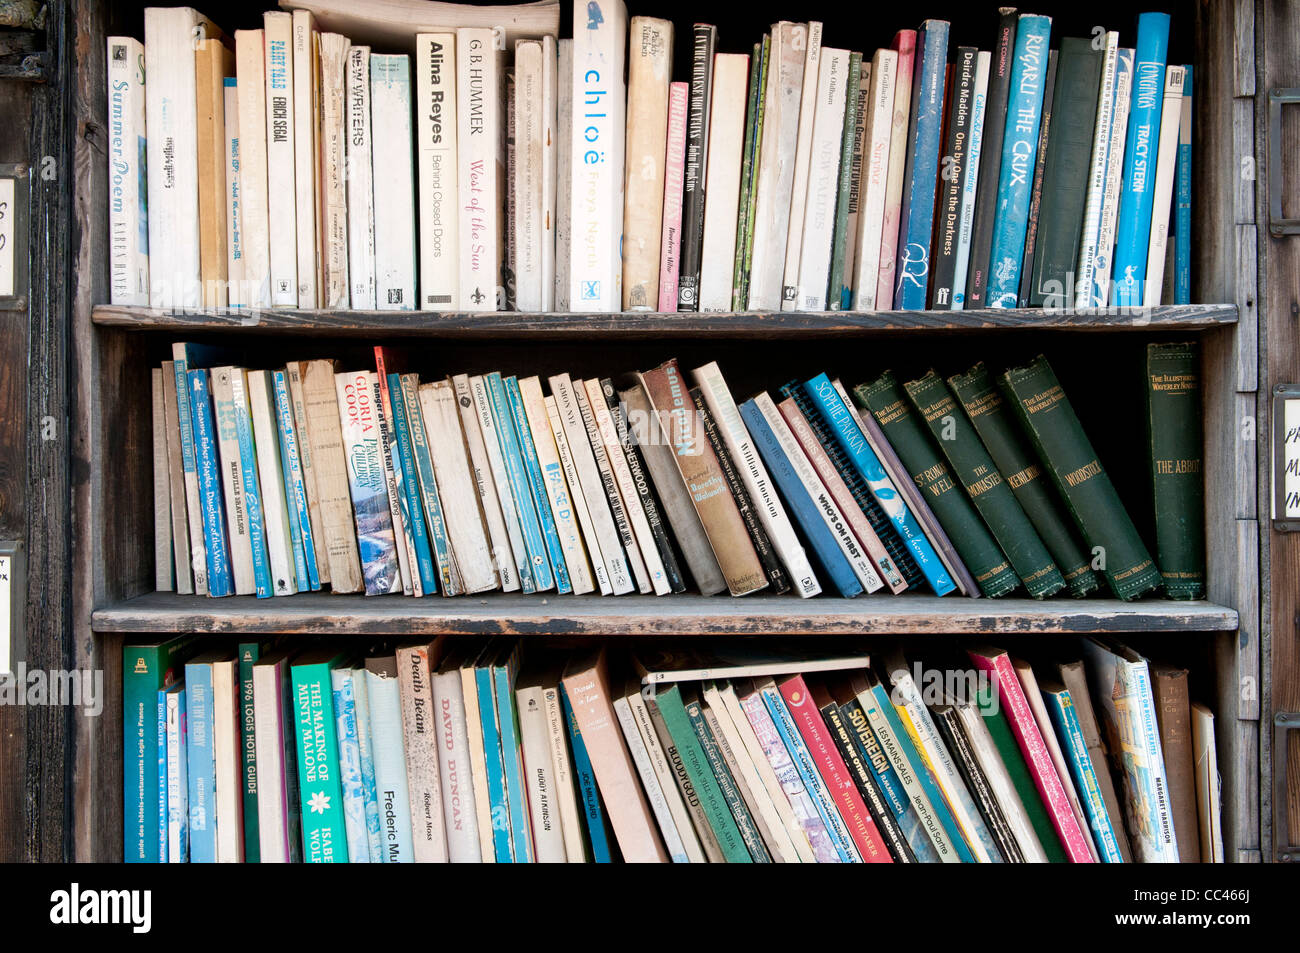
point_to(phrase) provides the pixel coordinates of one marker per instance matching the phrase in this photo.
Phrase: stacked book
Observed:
(501, 168)
(468, 749)
(274, 482)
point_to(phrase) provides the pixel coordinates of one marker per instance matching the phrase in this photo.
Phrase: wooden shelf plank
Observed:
(787, 324)
(687, 614)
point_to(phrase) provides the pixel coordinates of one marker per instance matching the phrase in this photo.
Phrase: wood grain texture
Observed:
(685, 614)
(754, 324)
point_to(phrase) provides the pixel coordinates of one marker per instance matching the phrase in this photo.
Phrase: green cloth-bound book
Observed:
(1016, 460)
(991, 495)
(324, 839)
(249, 653)
(748, 174)
(1040, 404)
(950, 504)
(1177, 476)
(839, 239)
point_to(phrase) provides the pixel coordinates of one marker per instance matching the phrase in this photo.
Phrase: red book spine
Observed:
(1012, 697)
(830, 765)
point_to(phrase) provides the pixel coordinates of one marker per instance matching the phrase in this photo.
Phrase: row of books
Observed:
(272, 482)
(468, 749)
(304, 171)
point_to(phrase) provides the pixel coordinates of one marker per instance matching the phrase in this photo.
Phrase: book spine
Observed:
(433, 418)
(254, 185)
(208, 469)
(549, 166)
(1173, 394)
(393, 182)
(295, 486)
(366, 753)
(238, 519)
(160, 775)
(567, 505)
(1137, 193)
(182, 563)
(562, 767)
(333, 232)
(948, 723)
(1166, 158)
(420, 736)
(597, 136)
(436, 128)
(952, 175)
(282, 214)
(324, 835)
(294, 371)
(508, 215)
(995, 121)
(162, 524)
(200, 723)
(403, 428)
(1066, 720)
(503, 676)
(705, 39)
(226, 762)
(496, 779)
(360, 182)
(537, 486)
(749, 173)
(835, 81)
(458, 795)
(1016, 462)
(670, 241)
(266, 441)
(274, 772)
(563, 174)
(1045, 129)
(855, 132)
(727, 784)
(394, 482)
(329, 461)
(487, 424)
(527, 234)
(1096, 183)
(144, 672)
(975, 544)
(904, 45)
(530, 523)
(649, 71)
(424, 488)
(178, 809)
(726, 146)
(390, 767)
(970, 179)
(539, 777)
(593, 812)
(362, 451)
(306, 113)
(972, 465)
(480, 190)
(485, 483)
(875, 176)
(189, 462)
(916, 222)
(354, 798)
(235, 294)
(1044, 410)
(1103, 267)
(128, 211)
(257, 532)
(882, 814)
(1182, 290)
(650, 780)
(809, 92)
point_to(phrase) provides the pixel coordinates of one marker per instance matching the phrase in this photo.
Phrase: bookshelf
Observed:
(112, 348)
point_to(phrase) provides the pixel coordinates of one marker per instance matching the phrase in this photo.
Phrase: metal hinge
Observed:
(1277, 225)
(1284, 852)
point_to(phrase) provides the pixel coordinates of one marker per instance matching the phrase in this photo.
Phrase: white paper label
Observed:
(6, 636)
(1290, 462)
(8, 215)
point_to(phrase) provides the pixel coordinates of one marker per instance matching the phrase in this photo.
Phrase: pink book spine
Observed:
(674, 171)
(1032, 746)
(905, 44)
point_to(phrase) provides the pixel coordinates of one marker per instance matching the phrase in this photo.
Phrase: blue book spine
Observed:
(920, 180)
(342, 686)
(819, 535)
(295, 490)
(162, 775)
(1183, 209)
(533, 467)
(1070, 734)
(411, 487)
(487, 710)
(252, 488)
(189, 461)
(511, 760)
(826, 809)
(851, 440)
(592, 811)
(427, 489)
(1137, 194)
(519, 488)
(1019, 154)
(201, 763)
(394, 803)
(220, 582)
(366, 749)
(178, 785)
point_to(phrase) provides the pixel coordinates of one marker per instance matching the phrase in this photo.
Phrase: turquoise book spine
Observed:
(324, 837)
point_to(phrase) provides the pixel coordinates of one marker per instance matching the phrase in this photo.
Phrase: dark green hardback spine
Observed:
(727, 784)
(839, 241)
(1040, 404)
(1046, 126)
(1065, 174)
(1177, 474)
(249, 653)
(1015, 459)
(977, 472)
(953, 508)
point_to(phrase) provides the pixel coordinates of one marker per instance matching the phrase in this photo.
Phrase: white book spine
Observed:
(1096, 196)
(802, 166)
(650, 62)
(497, 468)
(605, 532)
(172, 155)
(558, 492)
(162, 503)
(226, 753)
(563, 171)
(539, 777)
(177, 778)
(394, 182)
(360, 183)
(332, 234)
(823, 180)
(282, 212)
(771, 513)
(664, 772)
(459, 809)
(826, 506)
(726, 145)
(128, 213)
(1105, 255)
(435, 137)
(234, 199)
(485, 483)
(528, 218)
(232, 482)
(1170, 113)
(861, 106)
(550, 143)
(566, 795)
(275, 511)
(875, 172)
(1004, 791)
(596, 188)
(268, 740)
(975, 148)
(775, 176)
(250, 65)
(479, 119)
(577, 497)
(609, 486)
(306, 110)
(673, 842)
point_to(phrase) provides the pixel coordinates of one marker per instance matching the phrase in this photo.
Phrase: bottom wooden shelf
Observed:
(687, 614)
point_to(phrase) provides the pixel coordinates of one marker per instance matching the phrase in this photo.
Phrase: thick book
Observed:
(992, 496)
(904, 44)
(528, 236)
(394, 182)
(437, 170)
(1042, 407)
(208, 469)
(952, 172)
(818, 222)
(539, 778)
(1166, 160)
(306, 146)
(253, 492)
(332, 235)
(600, 844)
(1173, 398)
(460, 813)
(364, 456)
(704, 39)
(876, 134)
(343, 681)
(200, 757)
(674, 175)
(227, 762)
(1096, 180)
(255, 254)
(421, 740)
(330, 463)
(281, 208)
(480, 188)
(147, 669)
(1060, 706)
(213, 61)
(1015, 460)
(361, 182)
(971, 178)
(1045, 130)
(323, 829)
(722, 174)
(1137, 192)
(128, 211)
(650, 57)
(802, 165)
(563, 174)
(1170, 693)
(390, 760)
(916, 220)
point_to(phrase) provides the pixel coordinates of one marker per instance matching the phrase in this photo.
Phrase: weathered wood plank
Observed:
(1243, 47)
(496, 325)
(1243, 149)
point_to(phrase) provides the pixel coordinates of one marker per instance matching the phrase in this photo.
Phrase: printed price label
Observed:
(8, 216)
(1286, 458)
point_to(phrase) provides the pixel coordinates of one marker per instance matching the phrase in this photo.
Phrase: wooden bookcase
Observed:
(1097, 355)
